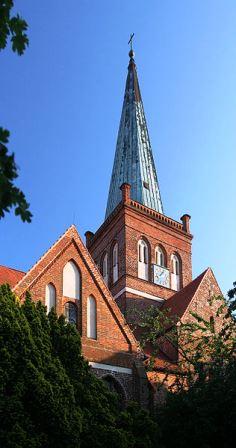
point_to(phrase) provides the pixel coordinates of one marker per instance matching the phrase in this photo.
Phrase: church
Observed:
(138, 257)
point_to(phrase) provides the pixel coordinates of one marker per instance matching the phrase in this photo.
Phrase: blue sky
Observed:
(62, 102)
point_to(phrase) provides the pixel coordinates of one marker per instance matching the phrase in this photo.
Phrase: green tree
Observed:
(49, 396)
(202, 345)
(13, 28)
(202, 410)
(204, 414)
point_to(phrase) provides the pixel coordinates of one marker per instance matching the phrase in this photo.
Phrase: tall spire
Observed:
(134, 163)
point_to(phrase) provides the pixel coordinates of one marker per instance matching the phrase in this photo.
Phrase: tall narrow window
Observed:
(160, 257)
(175, 272)
(115, 266)
(71, 281)
(105, 268)
(91, 318)
(50, 297)
(142, 260)
(71, 313)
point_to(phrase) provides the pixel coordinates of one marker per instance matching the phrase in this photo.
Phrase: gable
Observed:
(199, 304)
(179, 302)
(114, 338)
(194, 298)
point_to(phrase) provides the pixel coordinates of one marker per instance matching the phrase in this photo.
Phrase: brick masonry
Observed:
(115, 343)
(129, 223)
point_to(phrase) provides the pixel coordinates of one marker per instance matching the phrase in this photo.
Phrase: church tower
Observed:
(144, 256)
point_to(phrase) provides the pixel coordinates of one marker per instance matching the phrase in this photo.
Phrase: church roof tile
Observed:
(10, 275)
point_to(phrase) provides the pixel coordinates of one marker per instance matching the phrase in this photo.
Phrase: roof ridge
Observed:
(179, 302)
(198, 286)
(72, 226)
(12, 269)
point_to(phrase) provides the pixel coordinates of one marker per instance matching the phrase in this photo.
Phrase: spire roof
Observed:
(134, 163)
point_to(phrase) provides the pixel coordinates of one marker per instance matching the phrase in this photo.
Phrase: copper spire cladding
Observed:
(134, 163)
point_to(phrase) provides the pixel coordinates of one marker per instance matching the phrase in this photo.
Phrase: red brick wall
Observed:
(111, 346)
(104, 242)
(127, 226)
(200, 303)
(137, 226)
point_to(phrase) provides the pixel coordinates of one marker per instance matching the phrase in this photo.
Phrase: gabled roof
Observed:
(179, 302)
(134, 163)
(71, 235)
(10, 275)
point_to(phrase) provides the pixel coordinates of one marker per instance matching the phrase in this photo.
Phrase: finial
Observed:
(131, 52)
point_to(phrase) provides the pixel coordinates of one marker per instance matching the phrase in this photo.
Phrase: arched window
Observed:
(142, 260)
(71, 313)
(50, 297)
(115, 266)
(71, 281)
(175, 272)
(115, 387)
(91, 318)
(105, 268)
(160, 256)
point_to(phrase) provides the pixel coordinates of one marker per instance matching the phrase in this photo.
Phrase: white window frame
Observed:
(50, 297)
(143, 260)
(105, 268)
(91, 318)
(67, 312)
(175, 272)
(160, 257)
(71, 280)
(115, 263)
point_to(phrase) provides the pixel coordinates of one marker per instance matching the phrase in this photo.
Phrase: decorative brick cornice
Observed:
(157, 216)
(134, 205)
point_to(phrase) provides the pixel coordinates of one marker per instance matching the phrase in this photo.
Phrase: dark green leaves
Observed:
(10, 195)
(48, 395)
(13, 28)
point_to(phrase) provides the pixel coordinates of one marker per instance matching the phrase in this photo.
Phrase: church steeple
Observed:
(134, 163)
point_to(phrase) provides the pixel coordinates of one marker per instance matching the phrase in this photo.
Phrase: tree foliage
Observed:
(12, 27)
(202, 410)
(48, 395)
(200, 344)
(202, 415)
(10, 195)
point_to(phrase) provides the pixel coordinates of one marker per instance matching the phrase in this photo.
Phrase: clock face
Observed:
(161, 276)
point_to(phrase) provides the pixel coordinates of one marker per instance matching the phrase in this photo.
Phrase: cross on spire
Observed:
(131, 41)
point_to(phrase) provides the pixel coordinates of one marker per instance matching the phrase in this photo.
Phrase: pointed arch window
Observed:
(71, 313)
(50, 297)
(91, 318)
(160, 257)
(115, 266)
(105, 268)
(71, 281)
(143, 260)
(175, 272)
(115, 386)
